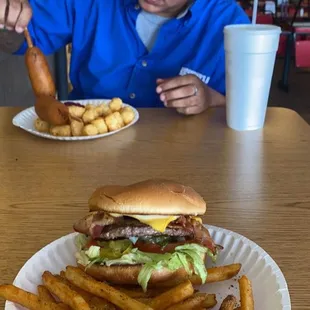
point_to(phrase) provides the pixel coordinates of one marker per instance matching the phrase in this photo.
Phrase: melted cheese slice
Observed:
(157, 222)
(198, 219)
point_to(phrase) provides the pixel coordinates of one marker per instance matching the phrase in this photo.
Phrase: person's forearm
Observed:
(216, 99)
(10, 41)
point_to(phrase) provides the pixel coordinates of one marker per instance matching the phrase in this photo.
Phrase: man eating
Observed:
(150, 53)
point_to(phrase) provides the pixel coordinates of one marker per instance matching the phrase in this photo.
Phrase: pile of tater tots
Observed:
(90, 120)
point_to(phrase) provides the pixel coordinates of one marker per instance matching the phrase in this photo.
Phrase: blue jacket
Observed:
(108, 57)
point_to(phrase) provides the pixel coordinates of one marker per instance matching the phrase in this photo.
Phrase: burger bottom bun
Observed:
(128, 274)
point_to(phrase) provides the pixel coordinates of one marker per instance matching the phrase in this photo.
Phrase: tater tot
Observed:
(103, 110)
(107, 111)
(100, 125)
(76, 111)
(119, 119)
(76, 128)
(90, 130)
(112, 122)
(61, 131)
(89, 106)
(115, 104)
(41, 126)
(89, 116)
(127, 114)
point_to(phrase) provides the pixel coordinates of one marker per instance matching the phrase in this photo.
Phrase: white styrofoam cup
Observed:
(250, 53)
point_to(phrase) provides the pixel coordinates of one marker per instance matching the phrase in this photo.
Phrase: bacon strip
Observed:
(200, 233)
(97, 224)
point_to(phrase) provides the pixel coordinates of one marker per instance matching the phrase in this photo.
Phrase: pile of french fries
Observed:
(74, 289)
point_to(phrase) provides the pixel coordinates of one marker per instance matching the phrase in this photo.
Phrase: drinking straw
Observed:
(254, 15)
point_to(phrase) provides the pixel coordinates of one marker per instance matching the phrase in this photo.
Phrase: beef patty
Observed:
(137, 229)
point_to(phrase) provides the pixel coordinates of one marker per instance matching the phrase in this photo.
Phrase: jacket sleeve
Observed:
(51, 25)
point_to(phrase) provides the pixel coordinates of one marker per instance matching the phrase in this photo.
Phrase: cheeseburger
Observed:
(144, 233)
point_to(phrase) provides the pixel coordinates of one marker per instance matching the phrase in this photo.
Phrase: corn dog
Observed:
(51, 110)
(38, 70)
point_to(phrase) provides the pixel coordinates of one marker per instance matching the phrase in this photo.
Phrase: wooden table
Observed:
(256, 183)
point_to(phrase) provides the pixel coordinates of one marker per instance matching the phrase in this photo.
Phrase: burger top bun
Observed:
(149, 197)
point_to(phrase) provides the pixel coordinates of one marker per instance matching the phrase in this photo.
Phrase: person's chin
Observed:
(151, 6)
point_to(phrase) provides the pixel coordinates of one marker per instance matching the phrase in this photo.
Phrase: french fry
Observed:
(79, 278)
(95, 303)
(137, 292)
(86, 295)
(197, 301)
(155, 291)
(210, 301)
(64, 293)
(217, 274)
(63, 306)
(44, 294)
(27, 299)
(173, 296)
(229, 303)
(145, 300)
(246, 294)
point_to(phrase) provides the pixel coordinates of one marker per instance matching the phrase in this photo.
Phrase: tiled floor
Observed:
(298, 97)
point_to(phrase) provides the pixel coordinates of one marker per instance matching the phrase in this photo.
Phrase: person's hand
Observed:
(15, 14)
(188, 94)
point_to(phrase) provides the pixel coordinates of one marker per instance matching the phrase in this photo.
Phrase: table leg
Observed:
(283, 83)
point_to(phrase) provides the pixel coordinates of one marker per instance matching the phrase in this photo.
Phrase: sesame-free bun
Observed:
(150, 197)
(128, 274)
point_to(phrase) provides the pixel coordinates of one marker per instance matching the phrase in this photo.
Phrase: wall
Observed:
(15, 87)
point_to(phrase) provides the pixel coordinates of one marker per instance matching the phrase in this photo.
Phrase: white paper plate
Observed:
(26, 118)
(269, 285)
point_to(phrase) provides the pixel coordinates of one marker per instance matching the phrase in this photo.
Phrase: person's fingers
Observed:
(181, 103)
(190, 110)
(3, 5)
(158, 81)
(4, 10)
(24, 17)
(178, 93)
(13, 13)
(176, 82)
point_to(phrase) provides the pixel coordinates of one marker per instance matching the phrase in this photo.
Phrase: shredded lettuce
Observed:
(182, 260)
(82, 258)
(93, 252)
(121, 252)
(80, 241)
(146, 273)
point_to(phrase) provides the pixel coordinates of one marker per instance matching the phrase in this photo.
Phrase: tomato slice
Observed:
(150, 247)
(90, 243)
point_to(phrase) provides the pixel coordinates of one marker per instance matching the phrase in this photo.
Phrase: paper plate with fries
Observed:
(87, 120)
(244, 277)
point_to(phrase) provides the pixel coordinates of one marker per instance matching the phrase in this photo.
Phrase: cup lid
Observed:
(253, 29)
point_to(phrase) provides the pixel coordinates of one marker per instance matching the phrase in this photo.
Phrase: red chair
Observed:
(302, 47)
(291, 11)
(249, 11)
(264, 19)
